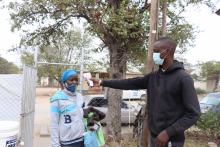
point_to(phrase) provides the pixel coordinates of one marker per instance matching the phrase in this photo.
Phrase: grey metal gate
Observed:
(28, 105)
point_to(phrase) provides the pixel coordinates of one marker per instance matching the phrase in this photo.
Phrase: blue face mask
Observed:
(71, 88)
(157, 59)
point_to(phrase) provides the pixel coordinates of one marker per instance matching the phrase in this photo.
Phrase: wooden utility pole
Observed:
(153, 33)
(145, 136)
(164, 18)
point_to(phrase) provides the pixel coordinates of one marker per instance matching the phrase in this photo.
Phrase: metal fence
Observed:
(28, 106)
(10, 97)
(17, 101)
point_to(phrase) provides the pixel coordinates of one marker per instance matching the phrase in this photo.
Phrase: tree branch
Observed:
(145, 7)
(115, 4)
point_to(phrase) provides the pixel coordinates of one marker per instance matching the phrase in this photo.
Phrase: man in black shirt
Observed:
(173, 103)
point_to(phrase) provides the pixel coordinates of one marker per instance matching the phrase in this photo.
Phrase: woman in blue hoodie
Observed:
(67, 127)
(67, 115)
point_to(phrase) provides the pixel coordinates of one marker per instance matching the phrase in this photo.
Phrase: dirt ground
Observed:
(42, 117)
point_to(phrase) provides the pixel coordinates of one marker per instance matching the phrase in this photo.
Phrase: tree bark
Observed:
(153, 34)
(50, 81)
(118, 61)
(164, 18)
(216, 82)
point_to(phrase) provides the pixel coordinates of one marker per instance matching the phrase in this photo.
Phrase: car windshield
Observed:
(210, 100)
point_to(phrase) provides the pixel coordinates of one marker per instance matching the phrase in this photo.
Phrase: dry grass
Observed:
(195, 143)
(124, 143)
(132, 143)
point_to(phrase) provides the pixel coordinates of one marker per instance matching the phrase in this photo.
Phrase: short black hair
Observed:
(169, 43)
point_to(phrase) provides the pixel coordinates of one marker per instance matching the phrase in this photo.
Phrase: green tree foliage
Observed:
(200, 91)
(211, 71)
(195, 76)
(27, 58)
(7, 67)
(210, 68)
(125, 21)
(125, 27)
(67, 50)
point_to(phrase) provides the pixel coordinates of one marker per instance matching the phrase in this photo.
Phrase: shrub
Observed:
(200, 91)
(210, 123)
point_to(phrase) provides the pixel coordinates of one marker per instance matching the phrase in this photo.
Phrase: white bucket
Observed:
(8, 133)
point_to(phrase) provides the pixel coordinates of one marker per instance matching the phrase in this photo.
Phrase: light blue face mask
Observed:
(157, 59)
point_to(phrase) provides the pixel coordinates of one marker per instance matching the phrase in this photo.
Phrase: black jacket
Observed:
(173, 103)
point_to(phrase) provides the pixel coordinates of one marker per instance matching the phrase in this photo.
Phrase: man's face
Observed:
(159, 47)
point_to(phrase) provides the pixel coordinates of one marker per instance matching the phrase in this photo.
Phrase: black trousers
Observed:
(76, 144)
(175, 141)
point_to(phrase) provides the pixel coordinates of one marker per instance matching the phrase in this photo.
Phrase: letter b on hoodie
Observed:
(67, 119)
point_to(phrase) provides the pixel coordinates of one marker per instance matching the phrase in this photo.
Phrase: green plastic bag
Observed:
(100, 135)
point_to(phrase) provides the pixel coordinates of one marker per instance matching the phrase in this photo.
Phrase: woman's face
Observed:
(73, 80)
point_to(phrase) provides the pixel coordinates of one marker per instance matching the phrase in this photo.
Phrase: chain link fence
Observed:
(10, 97)
(28, 106)
(17, 102)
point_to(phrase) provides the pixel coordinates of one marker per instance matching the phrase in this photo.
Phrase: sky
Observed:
(8, 39)
(207, 43)
(208, 39)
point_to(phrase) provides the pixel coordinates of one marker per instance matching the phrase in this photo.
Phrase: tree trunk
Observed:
(117, 70)
(216, 82)
(153, 34)
(164, 18)
(50, 81)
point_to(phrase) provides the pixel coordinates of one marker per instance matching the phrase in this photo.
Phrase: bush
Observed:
(210, 123)
(200, 91)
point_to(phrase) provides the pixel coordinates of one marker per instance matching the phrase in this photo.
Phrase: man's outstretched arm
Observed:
(127, 84)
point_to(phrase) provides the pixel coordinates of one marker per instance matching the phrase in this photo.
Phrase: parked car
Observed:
(101, 103)
(134, 94)
(211, 102)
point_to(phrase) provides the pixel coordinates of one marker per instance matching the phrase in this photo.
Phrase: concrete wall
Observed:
(200, 84)
(211, 84)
